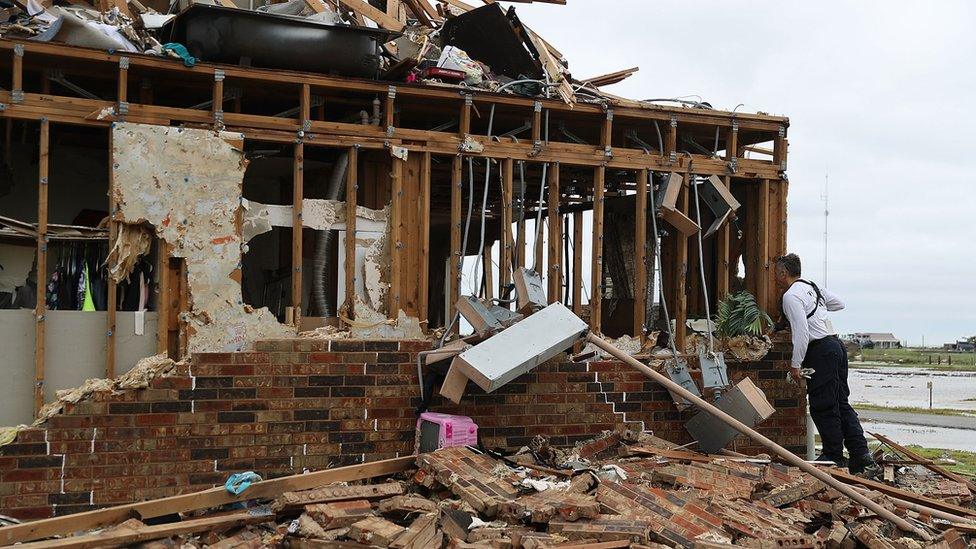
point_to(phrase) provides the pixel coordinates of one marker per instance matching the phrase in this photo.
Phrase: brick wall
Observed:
(313, 404)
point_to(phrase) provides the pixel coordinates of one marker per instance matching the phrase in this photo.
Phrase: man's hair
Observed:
(790, 263)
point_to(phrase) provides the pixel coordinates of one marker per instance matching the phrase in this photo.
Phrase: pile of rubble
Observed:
(619, 490)
(437, 42)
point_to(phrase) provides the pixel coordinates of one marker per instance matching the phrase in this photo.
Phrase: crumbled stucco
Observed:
(190, 192)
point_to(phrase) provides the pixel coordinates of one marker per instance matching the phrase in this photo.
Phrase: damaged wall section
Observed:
(191, 194)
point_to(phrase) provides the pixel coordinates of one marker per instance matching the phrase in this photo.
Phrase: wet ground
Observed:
(906, 386)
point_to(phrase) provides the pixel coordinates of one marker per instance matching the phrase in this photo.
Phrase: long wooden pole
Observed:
(40, 309)
(783, 453)
(596, 272)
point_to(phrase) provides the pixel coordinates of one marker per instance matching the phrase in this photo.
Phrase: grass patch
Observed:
(915, 410)
(966, 461)
(929, 358)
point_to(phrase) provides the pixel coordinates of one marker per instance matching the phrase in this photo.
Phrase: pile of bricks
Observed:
(643, 492)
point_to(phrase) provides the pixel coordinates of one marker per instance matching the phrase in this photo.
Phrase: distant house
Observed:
(872, 340)
(963, 345)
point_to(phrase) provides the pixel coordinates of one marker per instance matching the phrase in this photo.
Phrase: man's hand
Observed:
(795, 375)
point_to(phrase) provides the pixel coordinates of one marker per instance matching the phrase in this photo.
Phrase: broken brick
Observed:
(470, 476)
(375, 531)
(419, 535)
(543, 506)
(328, 494)
(404, 505)
(602, 528)
(339, 514)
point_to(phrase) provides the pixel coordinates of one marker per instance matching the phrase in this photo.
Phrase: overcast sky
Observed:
(878, 94)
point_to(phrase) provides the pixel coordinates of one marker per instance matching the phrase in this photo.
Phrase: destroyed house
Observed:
(286, 246)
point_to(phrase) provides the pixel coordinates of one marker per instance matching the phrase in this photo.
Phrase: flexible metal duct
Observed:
(322, 301)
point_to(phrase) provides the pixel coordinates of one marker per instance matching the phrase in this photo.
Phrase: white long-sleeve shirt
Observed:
(798, 301)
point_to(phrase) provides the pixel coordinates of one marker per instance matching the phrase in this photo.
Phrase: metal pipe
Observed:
(785, 454)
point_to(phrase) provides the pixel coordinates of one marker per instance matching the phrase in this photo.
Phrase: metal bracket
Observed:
(3, 107)
(17, 96)
(218, 75)
(735, 126)
(608, 151)
(782, 131)
(306, 125)
(672, 157)
(468, 99)
(122, 107)
(674, 121)
(219, 117)
(609, 115)
(124, 63)
(43, 181)
(389, 131)
(391, 92)
(734, 164)
(19, 50)
(537, 106)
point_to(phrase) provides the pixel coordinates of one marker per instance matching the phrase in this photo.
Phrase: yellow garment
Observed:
(89, 304)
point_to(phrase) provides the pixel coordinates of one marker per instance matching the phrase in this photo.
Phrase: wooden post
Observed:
(505, 254)
(555, 237)
(671, 140)
(732, 146)
(779, 149)
(17, 75)
(396, 238)
(464, 120)
(488, 271)
(298, 197)
(454, 290)
(537, 123)
(763, 248)
(389, 108)
(352, 187)
(520, 225)
(681, 273)
(424, 213)
(722, 250)
(596, 273)
(578, 263)
(40, 310)
(162, 297)
(640, 247)
(217, 101)
(112, 297)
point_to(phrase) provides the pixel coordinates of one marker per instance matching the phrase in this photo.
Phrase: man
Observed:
(815, 345)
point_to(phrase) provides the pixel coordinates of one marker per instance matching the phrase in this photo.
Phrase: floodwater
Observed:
(927, 437)
(907, 386)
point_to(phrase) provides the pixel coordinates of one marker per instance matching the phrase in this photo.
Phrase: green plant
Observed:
(739, 314)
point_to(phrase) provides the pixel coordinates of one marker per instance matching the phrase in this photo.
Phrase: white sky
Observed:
(877, 93)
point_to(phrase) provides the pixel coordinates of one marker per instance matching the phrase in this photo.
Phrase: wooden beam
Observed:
(488, 270)
(133, 536)
(505, 255)
(578, 263)
(352, 197)
(424, 213)
(193, 501)
(596, 273)
(217, 99)
(611, 78)
(396, 237)
(298, 186)
(901, 494)
(17, 74)
(681, 273)
(640, 247)
(732, 147)
(671, 140)
(780, 145)
(40, 309)
(112, 290)
(722, 250)
(537, 122)
(364, 9)
(762, 250)
(928, 464)
(162, 297)
(455, 259)
(555, 239)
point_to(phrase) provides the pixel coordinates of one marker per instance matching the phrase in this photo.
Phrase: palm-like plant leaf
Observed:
(739, 314)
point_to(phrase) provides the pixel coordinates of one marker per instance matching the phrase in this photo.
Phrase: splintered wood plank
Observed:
(198, 500)
(555, 237)
(364, 9)
(596, 272)
(640, 246)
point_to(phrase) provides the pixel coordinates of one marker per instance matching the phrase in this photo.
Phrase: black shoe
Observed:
(864, 466)
(839, 461)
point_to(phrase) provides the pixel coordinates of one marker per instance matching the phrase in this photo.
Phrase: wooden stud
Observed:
(112, 290)
(578, 263)
(122, 92)
(640, 247)
(762, 249)
(352, 197)
(487, 269)
(454, 289)
(537, 122)
(40, 310)
(596, 273)
(217, 101)
(732, 145)
(681, 273)
(396, 237)
(424, 213)
(162, 297)
(464, 120)
(671, 140)
(722, 251)
(298, 196)
(540, 238)
(17, 75)
(389, 109)
(779, 149)
(555, 237)
(505, 255)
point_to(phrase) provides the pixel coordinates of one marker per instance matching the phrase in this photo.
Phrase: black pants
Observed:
(828, 392)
